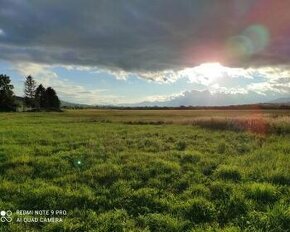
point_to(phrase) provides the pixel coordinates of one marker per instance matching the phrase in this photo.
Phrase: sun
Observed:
(210, 70)
(206, 73)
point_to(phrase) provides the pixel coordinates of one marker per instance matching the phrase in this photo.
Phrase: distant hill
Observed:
(66, 104)
(284, 100)
(206, 98)
(195, 99)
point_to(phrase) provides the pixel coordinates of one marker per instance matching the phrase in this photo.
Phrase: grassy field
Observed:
(173, 170)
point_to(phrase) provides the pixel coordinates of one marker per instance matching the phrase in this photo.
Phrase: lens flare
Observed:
(259, 37)
(252, 40)
(239, 46)
(78, 163)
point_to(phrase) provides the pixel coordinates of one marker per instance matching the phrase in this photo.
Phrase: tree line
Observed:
(35, 97)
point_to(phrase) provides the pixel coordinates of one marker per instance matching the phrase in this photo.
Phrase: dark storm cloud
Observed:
(138, 35)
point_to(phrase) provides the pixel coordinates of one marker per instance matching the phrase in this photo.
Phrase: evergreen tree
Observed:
(29, 91)
(52, 100)
(40, 97)
(6, 93)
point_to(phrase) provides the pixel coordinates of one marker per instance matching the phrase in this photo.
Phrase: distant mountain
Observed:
(71, 105)
(193, 98)
(206, 98)
(20, 100)
(284, 100)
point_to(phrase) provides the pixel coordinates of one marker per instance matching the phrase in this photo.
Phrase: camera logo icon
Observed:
(5, 216)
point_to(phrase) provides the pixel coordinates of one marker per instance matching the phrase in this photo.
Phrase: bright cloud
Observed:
(214, 77)
(66, 89)
(2, 33)
(209, 73)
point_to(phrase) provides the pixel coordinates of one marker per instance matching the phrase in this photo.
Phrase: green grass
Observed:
(148, 170)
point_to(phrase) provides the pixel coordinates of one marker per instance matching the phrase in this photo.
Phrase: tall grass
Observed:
(148, 171)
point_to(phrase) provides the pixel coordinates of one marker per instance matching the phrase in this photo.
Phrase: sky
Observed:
(130, 51)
